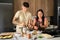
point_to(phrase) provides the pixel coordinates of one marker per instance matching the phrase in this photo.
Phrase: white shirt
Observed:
(23, 17)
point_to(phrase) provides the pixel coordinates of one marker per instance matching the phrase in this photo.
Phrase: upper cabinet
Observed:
(46, 5)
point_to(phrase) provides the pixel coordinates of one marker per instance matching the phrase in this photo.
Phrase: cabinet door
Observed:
(48, 7)
(32, 6)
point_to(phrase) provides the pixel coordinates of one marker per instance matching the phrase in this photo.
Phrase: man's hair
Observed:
(26, 4)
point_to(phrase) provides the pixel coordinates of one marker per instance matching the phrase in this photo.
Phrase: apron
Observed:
(22, 18)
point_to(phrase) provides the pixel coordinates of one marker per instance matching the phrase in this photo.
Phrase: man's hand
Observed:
(35, 27)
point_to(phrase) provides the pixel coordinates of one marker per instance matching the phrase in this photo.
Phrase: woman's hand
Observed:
(42, 26)
(35, 27)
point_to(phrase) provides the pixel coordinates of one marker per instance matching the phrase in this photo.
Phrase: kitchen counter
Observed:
(57, 38)
(24, 38)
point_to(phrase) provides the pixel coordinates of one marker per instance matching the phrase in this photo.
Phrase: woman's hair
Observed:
(26, 4)
(40, 10)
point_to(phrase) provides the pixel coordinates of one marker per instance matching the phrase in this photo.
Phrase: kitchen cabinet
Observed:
(46, 5)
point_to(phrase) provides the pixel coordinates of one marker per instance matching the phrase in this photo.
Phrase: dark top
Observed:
(38, 25)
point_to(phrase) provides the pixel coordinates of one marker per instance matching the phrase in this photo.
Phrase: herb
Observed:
(40, 37)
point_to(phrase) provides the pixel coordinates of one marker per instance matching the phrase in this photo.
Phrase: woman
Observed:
(40, 22)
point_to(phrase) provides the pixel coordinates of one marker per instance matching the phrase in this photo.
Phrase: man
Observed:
(22, 17)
